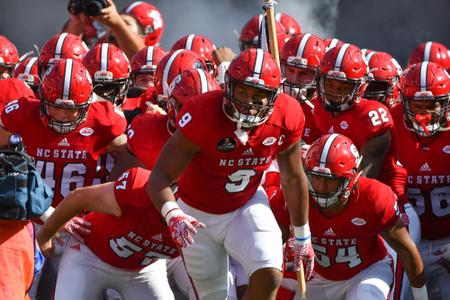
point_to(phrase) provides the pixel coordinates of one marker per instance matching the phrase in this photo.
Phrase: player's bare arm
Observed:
(96, 198)
(294, 184)
(174, 158)
(398, 238)
(373, 153)
(125, 161)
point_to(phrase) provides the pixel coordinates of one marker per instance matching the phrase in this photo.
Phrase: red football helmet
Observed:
(173, 64)
(200, 45)
(342, 77)
(330, 43)
(383, 78)
(65, 85)
(145, 62)
(254, 68)
(332, 156)
(250, 33)
(300, 59)
(9, 56)
(433, 52)
(110, 70)
(425, 92)
(289, 23)
(27, 70)
(150, 20)
(185, 85)
(61, 46)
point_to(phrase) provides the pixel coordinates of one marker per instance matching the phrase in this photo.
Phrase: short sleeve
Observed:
(16, 113)
(130, 189)
(377, 119)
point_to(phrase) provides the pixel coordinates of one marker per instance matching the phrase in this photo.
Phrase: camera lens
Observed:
(93, 8)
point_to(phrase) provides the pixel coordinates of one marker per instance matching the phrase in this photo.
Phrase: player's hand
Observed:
(304, 253)
(222, 54)
(46, 247)
(182, 227)
(78, 228)
(110, 16)
(444, 259)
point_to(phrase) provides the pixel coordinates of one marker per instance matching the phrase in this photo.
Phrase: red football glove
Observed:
(304, 253)
(182, 227)
(78, 228)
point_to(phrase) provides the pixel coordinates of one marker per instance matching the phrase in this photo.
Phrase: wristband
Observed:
(167, 208)
(302, 233)
(420, 293)
(47, 213)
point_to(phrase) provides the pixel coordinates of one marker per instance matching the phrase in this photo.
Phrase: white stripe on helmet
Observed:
(423, 76)
(133, 5)
(203, 80)
(67, 79)
(59, 45)
(29, 65)
(326, 150)
(104, 57)
(149, 55)
(340, 57)
(190, 42)
(165, 84)
(427, 51)
(302, 45)
(258, 63)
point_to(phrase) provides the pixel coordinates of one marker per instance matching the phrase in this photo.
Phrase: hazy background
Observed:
(395, 26)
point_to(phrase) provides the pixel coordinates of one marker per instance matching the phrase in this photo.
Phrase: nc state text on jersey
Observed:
(251, 161)
(61, 153)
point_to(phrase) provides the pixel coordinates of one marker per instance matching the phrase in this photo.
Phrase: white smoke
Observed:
(219, 19)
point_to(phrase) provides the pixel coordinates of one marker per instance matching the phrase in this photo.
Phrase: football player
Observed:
(224, 141)
(422, 136)
(348, 216)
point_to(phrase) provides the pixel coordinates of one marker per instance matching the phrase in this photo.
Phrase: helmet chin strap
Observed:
(423, 120)
(241, 134)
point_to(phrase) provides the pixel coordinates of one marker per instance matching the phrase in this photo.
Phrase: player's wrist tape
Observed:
(221, 70)
(302, 233)
(47, 214)
(420, 293)
(168, 210)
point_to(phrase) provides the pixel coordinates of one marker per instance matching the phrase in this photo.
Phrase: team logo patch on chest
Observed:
(344, 125)
(446, 149)
(226, 145)
(269, 141)
(86, 131)
(358, 221)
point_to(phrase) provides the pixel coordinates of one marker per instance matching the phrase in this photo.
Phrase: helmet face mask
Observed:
(380, 90)
(331, 166)
(78, 114)
(331, 196)
(425, 93)
(300, 82)
(427, 115)
(252, 84)
(339, 94)
(115, 92)
(251, 111)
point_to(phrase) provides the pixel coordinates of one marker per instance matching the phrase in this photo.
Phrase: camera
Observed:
(88, 7)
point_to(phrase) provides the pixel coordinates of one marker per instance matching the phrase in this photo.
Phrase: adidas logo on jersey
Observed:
(157, 237)
(249, 151)
(329, 231)
(425, 168)
(64, 143)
